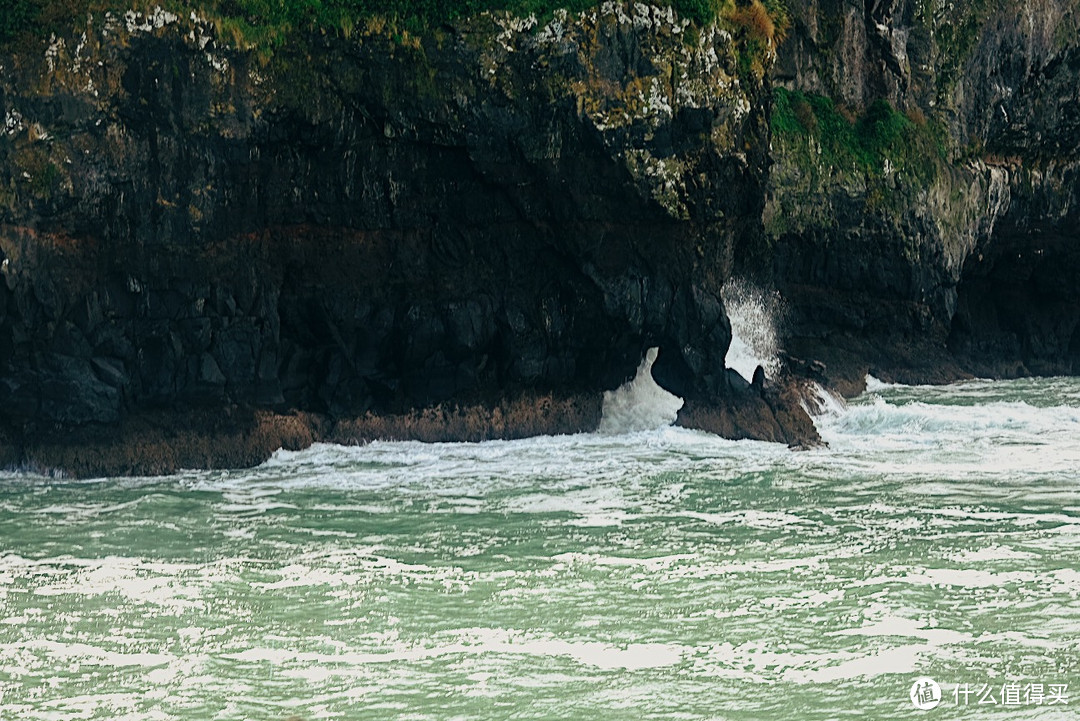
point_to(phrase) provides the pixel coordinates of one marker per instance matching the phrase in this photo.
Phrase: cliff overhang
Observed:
(368, 236)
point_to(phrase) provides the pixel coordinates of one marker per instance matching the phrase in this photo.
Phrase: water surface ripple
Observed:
(665, 574)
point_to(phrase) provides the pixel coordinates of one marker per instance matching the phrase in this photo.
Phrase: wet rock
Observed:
(927, 262)
(358, 228)
(758, 382)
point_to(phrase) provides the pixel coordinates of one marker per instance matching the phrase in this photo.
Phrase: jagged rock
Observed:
(367, 226)
(965, 260)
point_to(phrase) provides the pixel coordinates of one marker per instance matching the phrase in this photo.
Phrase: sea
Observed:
(922, 565)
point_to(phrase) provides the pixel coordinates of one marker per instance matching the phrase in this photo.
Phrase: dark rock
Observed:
(497, 218)
(110, 371)
(71, 393)
(940, 263)
(758, 383)
(355, 236)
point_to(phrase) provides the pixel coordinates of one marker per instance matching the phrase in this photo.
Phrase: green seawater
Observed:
(664, 574)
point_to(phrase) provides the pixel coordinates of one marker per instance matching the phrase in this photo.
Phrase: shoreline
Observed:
(154, 443)
(160, 442)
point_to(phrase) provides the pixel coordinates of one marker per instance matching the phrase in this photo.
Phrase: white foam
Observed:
(749, 517)
(873, 385)
(895, 660)
(754, 315)
(751, 662)
(820, 401)
(639, 404)
(890, 625)
(90, 655)
(990, 553)
(477, 642)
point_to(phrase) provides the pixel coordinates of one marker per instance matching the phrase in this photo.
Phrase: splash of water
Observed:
(873, 385)
(755, 315)
(639, 404)
(818, 401)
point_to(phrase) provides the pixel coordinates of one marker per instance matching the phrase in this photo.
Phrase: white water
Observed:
(822, 402)
(639, 404)
(755, 315)
(661, 574)
(873, 385)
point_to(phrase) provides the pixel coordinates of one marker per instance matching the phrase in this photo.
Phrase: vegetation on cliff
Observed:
(262, 22)
(827, 156)
(880, 140)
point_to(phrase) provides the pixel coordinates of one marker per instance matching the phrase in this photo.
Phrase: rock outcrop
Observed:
(380, 227)
(209, 252)
(935, 235)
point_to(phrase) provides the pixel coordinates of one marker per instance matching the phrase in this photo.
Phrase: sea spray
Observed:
(818, 401)
(639, 404)
(873, 385)
(755, 315)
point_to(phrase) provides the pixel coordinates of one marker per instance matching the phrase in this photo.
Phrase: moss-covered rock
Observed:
(908, 140)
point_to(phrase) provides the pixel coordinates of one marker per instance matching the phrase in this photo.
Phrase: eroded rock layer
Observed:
(367, 227)
(922, 216)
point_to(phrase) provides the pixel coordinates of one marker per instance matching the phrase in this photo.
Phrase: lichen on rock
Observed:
(368, 226)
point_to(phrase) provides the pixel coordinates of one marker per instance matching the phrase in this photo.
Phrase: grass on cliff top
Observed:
(262, 23)
(865, 142)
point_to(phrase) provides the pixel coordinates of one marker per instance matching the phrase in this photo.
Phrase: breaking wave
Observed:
(639, 404)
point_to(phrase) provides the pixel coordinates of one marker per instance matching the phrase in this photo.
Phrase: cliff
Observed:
(211, 251)
(922, 216)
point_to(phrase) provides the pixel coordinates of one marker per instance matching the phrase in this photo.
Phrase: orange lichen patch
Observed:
(521, 417)
(164, 442)
(755, 21)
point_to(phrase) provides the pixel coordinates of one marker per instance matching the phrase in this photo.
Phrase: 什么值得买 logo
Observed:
(925, 693)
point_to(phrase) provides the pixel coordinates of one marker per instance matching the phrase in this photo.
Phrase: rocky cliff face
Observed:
(209, 252)
(376, 225)
(950, 246)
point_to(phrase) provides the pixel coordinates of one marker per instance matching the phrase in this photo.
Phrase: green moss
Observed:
(814, 126)
(271, 23)
(784, 121)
